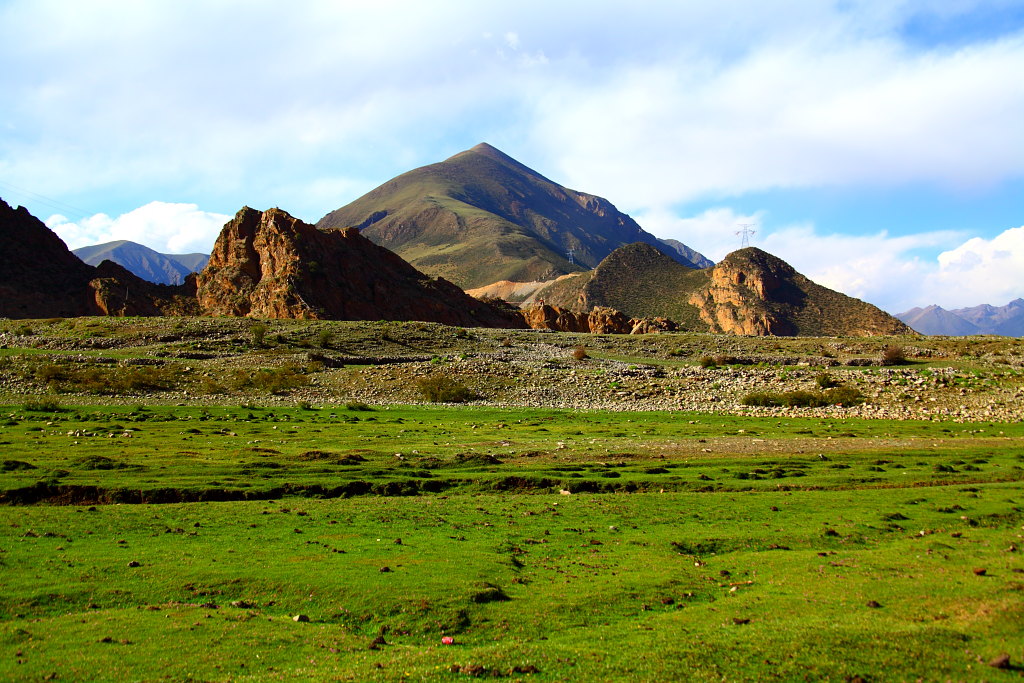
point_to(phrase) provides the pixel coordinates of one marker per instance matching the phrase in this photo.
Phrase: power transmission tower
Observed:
(745, 231)
(572, 262)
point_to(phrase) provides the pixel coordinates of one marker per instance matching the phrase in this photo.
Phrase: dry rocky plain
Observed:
(220, 360)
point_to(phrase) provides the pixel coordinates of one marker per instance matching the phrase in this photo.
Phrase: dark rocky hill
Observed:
(41, 278)
(271, 265)
(749, 292)
(149, 264)
(481, 216)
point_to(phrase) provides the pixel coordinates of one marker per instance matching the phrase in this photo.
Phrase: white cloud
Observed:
(648, 106)
(889, 271)
(712, 233)
(982, 271)
(166, 228)
(807, 114)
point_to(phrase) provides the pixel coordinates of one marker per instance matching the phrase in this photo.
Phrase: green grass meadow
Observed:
(180, 543)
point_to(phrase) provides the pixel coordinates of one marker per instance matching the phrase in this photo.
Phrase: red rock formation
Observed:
(272, 265)
(752, 292)
(600, 320)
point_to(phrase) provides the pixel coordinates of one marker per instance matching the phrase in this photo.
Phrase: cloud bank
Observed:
(896, 273)
(659, 108)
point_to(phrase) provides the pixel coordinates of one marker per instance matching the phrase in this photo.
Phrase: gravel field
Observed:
(206, 360)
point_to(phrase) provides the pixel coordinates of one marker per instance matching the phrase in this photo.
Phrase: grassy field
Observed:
(685, 546)
(224, 499)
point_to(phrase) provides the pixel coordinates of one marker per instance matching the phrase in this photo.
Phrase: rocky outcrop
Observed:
(734, 300)
(119, 292)
(751, 292)
(41, 278)
(271, 265)
(600, 320)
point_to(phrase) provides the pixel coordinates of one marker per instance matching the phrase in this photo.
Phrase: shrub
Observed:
(271, 380)
(45, 405)
(259, 334)
(441, 389)
(804, 399)
(826, 381)
(707, 362)
(846, 396)
(893, 355)
(580, 353)
(357, 406)
(324, 338)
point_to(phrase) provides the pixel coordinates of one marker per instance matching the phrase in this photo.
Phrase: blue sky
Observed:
(878, 146)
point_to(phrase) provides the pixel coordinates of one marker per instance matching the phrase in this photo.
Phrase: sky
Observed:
(875, 145)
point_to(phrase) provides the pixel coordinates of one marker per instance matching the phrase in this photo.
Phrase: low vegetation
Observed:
(292, 522)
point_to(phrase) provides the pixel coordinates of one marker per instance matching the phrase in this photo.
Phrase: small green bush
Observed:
(707, 362)
(259, 334)
(441, 389)
(826, 381)
(358, 406)
(270, 380)
(45, 405)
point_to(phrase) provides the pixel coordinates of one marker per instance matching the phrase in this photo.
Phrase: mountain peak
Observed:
(480, 217)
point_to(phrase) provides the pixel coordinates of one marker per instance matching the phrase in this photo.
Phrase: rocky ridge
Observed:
(271, 265)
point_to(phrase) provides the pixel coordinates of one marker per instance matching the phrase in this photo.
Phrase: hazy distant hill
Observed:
(693, 256)
(481, 216)
(749, 292)
(164, 269)
(1005, 320)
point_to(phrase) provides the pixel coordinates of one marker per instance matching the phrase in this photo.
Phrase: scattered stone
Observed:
(980, 571)
(1000, 662)
(385, 569)
(300, 618)
(740, 621)
(133, 563)
(873, 604)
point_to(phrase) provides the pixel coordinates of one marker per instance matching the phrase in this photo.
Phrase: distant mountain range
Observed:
(1007, 321)
(481, 216)
(406, 250)
(150, 265)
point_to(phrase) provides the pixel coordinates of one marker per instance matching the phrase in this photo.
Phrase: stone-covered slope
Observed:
(480, 217)
(271, 265)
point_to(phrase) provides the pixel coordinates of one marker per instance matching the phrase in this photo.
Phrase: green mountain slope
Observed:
(481, 216)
